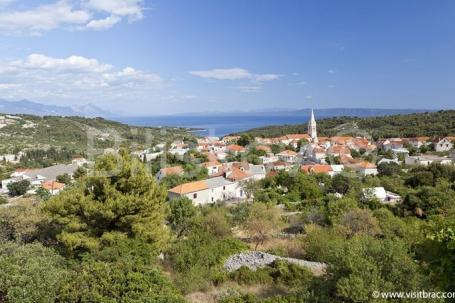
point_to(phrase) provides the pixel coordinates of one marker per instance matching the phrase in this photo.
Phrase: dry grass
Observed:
(215, 293)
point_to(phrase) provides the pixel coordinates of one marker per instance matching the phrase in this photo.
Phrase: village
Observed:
(305, 152)
(230, 167)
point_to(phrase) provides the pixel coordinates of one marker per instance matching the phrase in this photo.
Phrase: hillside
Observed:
(26, 131)
(40, 109)
(441, 123)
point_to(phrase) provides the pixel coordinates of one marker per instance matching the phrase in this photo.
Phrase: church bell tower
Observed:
(312, 132)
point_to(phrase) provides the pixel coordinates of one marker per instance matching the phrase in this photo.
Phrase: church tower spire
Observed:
(312, 132)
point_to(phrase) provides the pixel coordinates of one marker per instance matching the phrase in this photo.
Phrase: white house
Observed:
(213, 167)
(364, 168)
(427, 160)
(53, 187)
(384, 197)
(268, 159)
(167, 171)
(180, 151)
(443, 145)
(208, 191)
(11, 158)
(287, 156)
(385, 160)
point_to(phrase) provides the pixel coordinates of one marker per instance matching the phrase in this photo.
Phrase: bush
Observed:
(198, 259)
(18, 188)
(246, 276)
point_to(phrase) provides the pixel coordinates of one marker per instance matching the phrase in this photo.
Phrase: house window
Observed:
(241, 193)
(194, 196)
(224, 187)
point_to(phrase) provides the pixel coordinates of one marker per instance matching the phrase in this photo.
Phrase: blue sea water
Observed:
(215, 125)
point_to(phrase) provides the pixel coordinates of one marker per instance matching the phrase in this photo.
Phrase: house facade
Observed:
(208, 191)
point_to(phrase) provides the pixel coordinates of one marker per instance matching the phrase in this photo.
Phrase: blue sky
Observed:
(167, 56)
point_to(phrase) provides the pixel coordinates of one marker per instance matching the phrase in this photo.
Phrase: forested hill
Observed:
(441, 123)
(27, 131)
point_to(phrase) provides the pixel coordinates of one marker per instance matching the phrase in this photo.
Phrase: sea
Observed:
(217, 125)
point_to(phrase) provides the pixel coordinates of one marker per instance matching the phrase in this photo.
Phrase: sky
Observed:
(155, 57)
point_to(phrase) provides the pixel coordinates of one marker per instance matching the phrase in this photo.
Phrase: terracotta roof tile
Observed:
(189, 187)
(316, 168)
(52, 185)
(173, 170)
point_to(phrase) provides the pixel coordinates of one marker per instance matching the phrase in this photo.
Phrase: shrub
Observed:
(246, 276)
(18, 188)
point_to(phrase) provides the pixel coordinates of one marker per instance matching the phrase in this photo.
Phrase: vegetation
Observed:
(113, 236)
(68, 135)
(18, 188)
(439, 123)
(120, 201)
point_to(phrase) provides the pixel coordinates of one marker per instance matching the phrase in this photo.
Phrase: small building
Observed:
(442, 145)
(287, 156)
(213, 167)
(364, 168)
(208, 191)
(167, 171)
(427, 160)
(388, 161)
(384, 197)
(317, 169)
(53, 187)
(235, 149)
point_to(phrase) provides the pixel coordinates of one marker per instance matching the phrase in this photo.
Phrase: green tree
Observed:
(65, 179)
(120, 200)
(123, 272)
(262, 222)
(341, 184)
(43, 193)
(18, 188)
(80, 172)
(20, 222)
(245, 140)
(181, 215)
(30, 273)
(389, 169)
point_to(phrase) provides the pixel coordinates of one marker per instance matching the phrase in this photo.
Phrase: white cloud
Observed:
(331, 71)
(132, 9)
(308, 97)
(72, 63)
(69, 14)
(42, 18)
(233, 74)
(102, 24)
(74, 79)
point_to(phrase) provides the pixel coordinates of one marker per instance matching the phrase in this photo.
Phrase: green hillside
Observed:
(441, 123)
(26, 131)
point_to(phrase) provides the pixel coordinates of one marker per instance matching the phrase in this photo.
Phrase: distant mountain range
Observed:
(91, 110)
(39, 109)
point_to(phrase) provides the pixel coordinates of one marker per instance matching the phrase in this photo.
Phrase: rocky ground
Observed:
(256, 259)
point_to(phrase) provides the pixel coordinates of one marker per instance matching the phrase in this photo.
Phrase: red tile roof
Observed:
(173, 170)
(316, 168)
(189, 187)
(236, 174)
(52, 185)
(235, 148)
